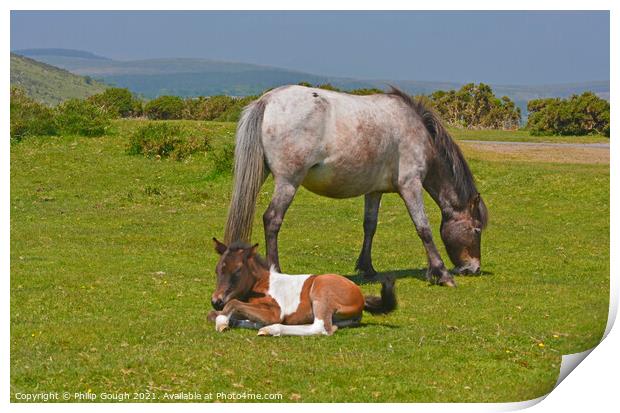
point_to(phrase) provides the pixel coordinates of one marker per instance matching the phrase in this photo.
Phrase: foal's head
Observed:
(461, 233)
(235, 277)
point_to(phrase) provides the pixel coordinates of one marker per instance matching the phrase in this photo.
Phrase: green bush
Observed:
(585, 114)
(215, 106)
(154, 139)
(233, 113)
(475, 107)
(82, 117)
(191, 145)
(224, 159)
(118, 102)
(165, 107)
(193, 108)
(29, 118)
(163, 140)
(365, 92)
(220, 108)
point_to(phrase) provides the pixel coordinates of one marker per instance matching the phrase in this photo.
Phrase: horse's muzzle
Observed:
(470, 268)
(217, 304)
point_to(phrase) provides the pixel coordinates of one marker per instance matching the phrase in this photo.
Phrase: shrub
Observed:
(475, 107)
(29, 117)
(154, 139)
(166, 140)
(118, 102)
(224, 159)
(329, 86)
(82, 117)
(220, 107)
(586, 114)
(164, 107)
(233, 113)
(365, 91)
(190, 146)
(193, 108)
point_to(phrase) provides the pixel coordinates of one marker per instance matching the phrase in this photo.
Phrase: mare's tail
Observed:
(384, 304)
(249, 173)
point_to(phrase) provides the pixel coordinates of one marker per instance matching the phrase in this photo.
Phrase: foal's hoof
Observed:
(221, 323)
(271, 330)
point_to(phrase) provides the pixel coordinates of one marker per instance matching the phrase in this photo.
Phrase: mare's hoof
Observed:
(367, 273)
(220, 328)
(447, 282)
(440, 277)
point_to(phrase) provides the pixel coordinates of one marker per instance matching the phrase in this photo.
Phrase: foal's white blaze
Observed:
(286, 290)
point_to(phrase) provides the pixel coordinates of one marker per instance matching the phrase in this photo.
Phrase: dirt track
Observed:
(595, 153)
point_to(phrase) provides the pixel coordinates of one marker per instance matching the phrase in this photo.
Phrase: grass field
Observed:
(521, 136)
(112, 271)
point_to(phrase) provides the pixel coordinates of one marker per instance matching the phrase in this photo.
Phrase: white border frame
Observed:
(592, 385)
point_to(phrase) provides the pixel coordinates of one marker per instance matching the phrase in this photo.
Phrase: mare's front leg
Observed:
(283, 195)
(257, 312)
(371, 213)
(411, 193)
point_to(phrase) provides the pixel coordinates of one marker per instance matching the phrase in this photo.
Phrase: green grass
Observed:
(49, 84)
(521, 136)
(112, 271)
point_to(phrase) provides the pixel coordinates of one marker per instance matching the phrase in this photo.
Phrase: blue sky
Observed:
(491, 47)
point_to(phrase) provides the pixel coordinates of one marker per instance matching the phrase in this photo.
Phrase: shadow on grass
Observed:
(417, 273)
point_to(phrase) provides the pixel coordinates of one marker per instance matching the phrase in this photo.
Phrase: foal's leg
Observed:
(412, 194)
(314, 329)
(283, 195)
(323, 314)
(260, 313)
(371, 212)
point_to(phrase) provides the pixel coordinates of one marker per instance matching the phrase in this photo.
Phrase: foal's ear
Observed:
(252, 251)
(220, 247)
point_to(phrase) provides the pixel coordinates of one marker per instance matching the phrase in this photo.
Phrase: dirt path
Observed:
(594, 153)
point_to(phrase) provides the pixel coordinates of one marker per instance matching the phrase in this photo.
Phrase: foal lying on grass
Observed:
(297, 305)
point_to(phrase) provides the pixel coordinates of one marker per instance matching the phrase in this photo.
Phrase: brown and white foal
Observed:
(299, 305)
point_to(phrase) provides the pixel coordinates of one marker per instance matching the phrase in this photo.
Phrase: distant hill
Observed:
(49, 84)
(59, 52)
(194, 77)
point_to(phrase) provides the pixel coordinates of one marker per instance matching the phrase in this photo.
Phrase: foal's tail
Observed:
(384, 304)
(249, 173)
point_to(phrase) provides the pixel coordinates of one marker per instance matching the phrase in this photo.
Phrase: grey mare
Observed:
(341, 146)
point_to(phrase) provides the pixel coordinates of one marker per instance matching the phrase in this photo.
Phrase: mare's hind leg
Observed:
(283, 195)
(371, 212)
(411, 193)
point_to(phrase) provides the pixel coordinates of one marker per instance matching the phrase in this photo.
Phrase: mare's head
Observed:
(461, 232)
(235, 277)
